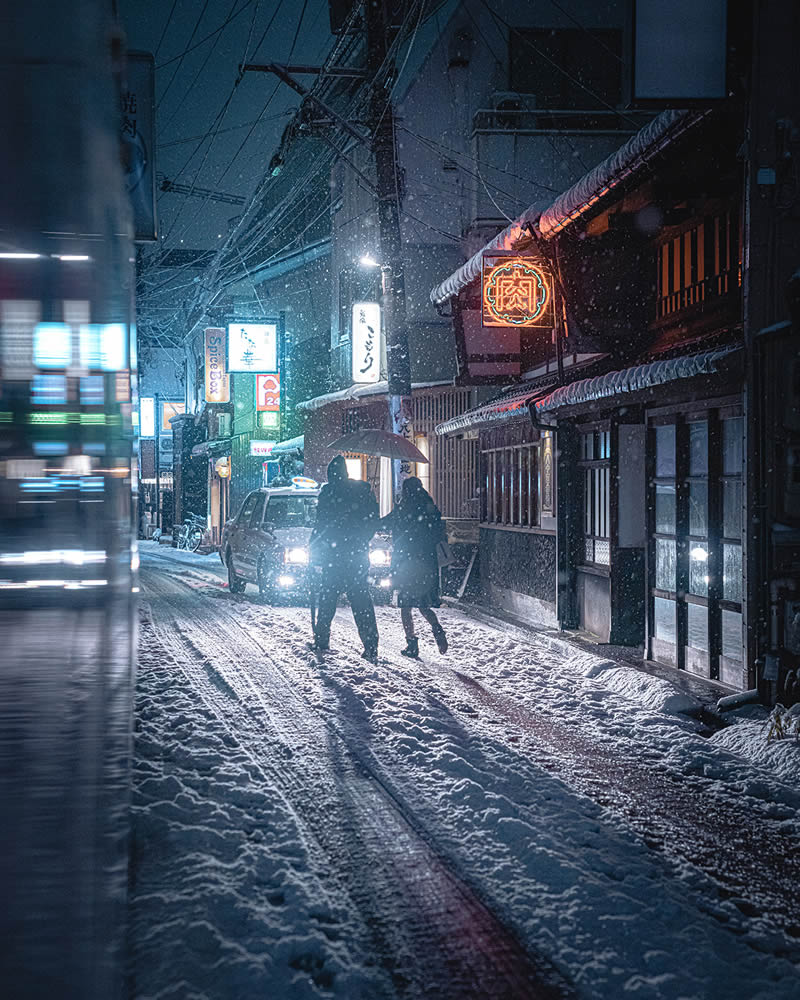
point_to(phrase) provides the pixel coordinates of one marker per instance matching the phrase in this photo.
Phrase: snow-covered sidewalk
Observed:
(569, 800)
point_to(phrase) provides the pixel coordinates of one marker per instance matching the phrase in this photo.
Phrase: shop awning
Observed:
(576, 200)
(208, 448)
(292, 446)
(509, 407)
(635, 379)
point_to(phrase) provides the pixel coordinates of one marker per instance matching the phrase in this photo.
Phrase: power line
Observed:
(190, 88)
(166, 25)
(202, 41)
(180, 62)
(222, 131)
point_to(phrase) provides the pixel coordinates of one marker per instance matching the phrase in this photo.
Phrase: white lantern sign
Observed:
(366, 342)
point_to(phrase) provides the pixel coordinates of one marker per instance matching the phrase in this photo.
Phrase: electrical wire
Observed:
(231, 128)
(552, 62)
(180, 62)
(164, 123)
(202, 41)
(166, 25)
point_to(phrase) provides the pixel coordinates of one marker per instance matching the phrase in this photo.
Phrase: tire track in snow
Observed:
(436, 938)
(749, 859)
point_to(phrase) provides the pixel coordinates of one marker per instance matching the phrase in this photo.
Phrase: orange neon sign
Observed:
(516, 292)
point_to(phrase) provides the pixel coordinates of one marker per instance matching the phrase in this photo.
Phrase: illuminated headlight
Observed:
(285, 581)
(298, 556)
(379, 557)
(386, 581)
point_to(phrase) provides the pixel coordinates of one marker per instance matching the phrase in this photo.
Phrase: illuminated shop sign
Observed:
(147, 417)
(268, 392)
(262, 448)
(217, 381)
(366, 342)
(252, 347)
(516, 292)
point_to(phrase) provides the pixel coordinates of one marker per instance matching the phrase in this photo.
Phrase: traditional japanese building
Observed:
(614, 478)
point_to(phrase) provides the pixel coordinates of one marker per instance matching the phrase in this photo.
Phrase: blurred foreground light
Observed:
(20, 256)
(386, 581)
(285, 581)
(367, 260)
(71, 256)
(40, 584)
(46, 557)
(52, 345)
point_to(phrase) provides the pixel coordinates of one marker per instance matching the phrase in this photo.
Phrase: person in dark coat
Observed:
(417, 528)
(347, 516)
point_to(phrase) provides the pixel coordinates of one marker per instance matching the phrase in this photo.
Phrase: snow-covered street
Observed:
(516, 819)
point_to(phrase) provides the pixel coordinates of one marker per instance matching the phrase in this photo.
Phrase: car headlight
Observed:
(379, 557)
(298, 556)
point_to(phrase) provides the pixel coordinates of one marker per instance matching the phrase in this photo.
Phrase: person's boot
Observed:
(412, 649)
(441, 638)
(370, 654)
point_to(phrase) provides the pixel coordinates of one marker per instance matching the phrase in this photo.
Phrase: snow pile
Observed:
(225, 901)
(749, 738)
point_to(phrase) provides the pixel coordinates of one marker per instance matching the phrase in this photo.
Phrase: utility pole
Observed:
(157, 452)
(393, 292)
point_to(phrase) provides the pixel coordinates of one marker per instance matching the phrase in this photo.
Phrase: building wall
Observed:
(518, 571)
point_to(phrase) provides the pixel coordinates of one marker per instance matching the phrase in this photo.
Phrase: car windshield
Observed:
(292, 512)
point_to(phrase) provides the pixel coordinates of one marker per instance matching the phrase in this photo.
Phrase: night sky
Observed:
(210, 131)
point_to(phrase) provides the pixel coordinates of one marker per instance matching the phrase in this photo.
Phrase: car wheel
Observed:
(236, 584)
(264, 586)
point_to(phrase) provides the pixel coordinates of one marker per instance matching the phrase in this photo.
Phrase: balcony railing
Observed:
(509, 116)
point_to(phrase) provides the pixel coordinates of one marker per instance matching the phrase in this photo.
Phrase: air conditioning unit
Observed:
(508, 107)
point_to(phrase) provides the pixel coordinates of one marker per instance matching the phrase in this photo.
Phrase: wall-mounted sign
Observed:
(137, 118)
(269, 419)
(222, 467)
(262, 448)
(217, 382)
(252, 347)
(147, 417)
(516, 292)
(268, 392)
(366, 342)
(547, 474)
(170, 409)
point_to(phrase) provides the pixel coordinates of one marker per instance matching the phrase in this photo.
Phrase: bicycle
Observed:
(190, 533)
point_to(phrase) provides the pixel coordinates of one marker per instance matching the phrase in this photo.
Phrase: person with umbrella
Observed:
(347, 517)
(417, 528)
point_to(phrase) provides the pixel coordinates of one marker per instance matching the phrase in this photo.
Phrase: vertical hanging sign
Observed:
(138, 147)
(268, 393)
(217, 381)
(366, 342)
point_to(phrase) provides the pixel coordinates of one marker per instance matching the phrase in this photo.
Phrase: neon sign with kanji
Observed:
(516, 292)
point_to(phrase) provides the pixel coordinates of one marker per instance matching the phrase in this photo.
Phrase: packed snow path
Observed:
(494, 823)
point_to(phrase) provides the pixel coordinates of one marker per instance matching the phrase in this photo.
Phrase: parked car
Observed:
(266, 543)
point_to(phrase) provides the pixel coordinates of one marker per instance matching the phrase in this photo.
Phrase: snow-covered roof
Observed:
(288, 447)
(355, 392)
(508, 407)
(584, 194)
(633, 379)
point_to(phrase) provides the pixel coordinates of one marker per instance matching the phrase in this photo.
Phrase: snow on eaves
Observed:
(355, 392)
(575, 200)
(634, 379)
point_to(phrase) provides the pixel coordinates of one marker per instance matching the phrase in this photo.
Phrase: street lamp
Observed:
(367, 260)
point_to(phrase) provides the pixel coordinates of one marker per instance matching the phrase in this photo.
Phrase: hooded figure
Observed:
(417, 528)
(347, 516)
